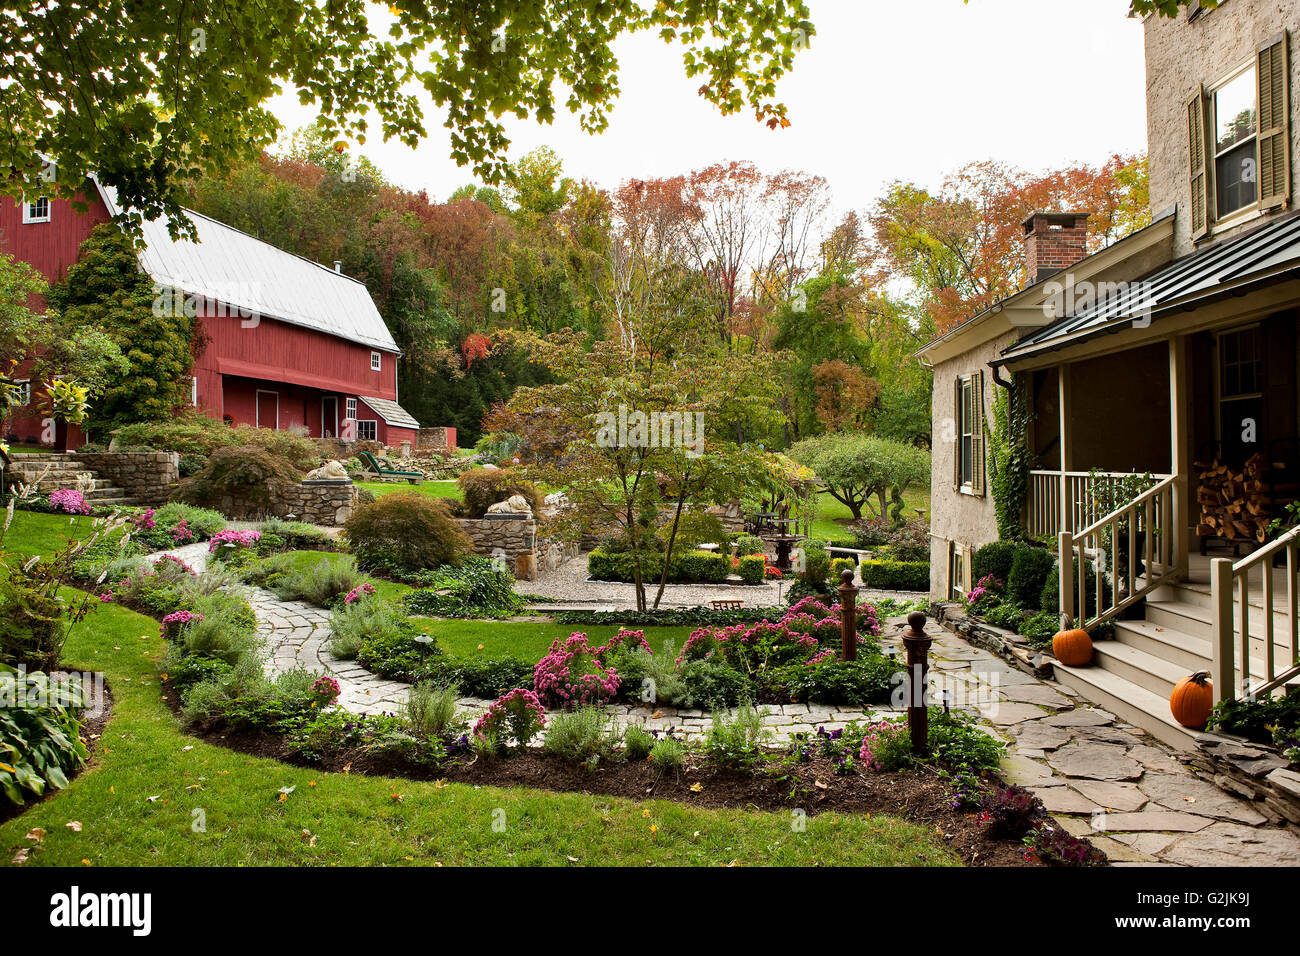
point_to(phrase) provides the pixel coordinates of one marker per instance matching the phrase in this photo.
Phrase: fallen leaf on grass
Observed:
(73, 825)
(20, 857)
(35, 833)
(697, 788)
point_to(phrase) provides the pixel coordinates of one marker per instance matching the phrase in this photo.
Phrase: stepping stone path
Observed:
(1099, 777)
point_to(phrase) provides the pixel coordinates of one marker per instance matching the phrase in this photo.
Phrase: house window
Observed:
(351, 409)
(38, 211)
(956, 571)
(968, 398)
(1241, 401)
(21, 393)
(1235, 122)
(368, 430)
(1239, 141)
(375, 362)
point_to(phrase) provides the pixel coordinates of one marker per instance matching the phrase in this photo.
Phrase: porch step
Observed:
(1148, 671)
(1130, 702)
(1197, 622)
(1177, 647)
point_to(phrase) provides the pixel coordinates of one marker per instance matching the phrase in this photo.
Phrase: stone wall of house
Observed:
(144, 475)
(956, 517)
(1182, 54)
(322, 504)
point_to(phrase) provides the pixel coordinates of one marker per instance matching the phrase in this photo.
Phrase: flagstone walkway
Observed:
(1098, 776)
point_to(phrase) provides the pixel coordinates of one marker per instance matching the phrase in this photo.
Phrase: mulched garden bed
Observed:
(92, 731)
(922, 797)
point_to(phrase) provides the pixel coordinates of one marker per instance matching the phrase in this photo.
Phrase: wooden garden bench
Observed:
(728, 605)
(373, 464)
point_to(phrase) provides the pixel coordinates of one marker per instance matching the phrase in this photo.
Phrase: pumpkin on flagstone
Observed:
(1192, 700)
(1072, 645)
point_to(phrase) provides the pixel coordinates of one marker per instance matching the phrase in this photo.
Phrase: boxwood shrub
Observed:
(896, 575)
(994, 558)
(751, 568)
(1030, 567)
(704, 566)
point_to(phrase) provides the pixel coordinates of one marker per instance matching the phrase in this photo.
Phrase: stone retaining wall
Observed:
(515, 540)
(144, 475)
(316, 504)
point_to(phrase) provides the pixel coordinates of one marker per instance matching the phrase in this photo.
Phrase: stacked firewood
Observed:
(1234, 504)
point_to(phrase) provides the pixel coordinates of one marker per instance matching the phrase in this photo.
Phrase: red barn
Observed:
(291, 343)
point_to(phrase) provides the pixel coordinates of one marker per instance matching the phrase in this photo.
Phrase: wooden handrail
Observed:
(1231, 639)
(1154, 509)
(1150, 492)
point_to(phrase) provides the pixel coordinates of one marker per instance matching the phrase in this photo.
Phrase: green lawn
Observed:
(149, 787)
(833, 516)
(35, 533)
(438, 489)
(529, 641)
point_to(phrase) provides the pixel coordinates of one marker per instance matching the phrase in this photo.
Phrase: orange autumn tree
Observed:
(962, 246)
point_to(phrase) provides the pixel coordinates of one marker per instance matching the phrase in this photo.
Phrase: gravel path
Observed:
(568, 584)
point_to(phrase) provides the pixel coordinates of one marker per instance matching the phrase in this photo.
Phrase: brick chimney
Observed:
(1054, 241)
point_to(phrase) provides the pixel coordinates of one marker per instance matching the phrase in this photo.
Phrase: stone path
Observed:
(1104, 779)
(1098, 776)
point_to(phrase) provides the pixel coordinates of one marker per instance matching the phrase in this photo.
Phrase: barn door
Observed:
(268, 409)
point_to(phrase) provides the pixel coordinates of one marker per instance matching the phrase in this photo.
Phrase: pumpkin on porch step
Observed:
(1192, 700)
(1072, 645)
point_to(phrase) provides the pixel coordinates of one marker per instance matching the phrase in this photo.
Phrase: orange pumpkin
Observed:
(1192, 700)
(1072, 646)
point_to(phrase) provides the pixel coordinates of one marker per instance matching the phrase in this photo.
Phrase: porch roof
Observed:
(1227, 267)
(391, 412)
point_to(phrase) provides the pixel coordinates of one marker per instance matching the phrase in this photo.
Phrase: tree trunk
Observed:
(672, 537)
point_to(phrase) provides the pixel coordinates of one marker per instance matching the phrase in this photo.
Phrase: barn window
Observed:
(375, 362)
(368, 430)
(351, 409)
(37, 211)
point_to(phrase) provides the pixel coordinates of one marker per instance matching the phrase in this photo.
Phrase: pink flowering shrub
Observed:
(174, 623)
(808, 633)
(171, 563)
(876, 735)
(228, 540)
(516, 715)
(182, 533)
(572, 673)
(70, 501)
(358, 592)
(325, 691)
(145, 521)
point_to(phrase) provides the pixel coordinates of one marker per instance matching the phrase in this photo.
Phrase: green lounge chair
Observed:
(373, 464)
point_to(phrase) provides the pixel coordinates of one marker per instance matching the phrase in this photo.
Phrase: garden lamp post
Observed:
(848, 616)
(917, 643)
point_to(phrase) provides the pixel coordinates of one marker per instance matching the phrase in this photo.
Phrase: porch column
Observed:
(1178, 451)
(1063, 403)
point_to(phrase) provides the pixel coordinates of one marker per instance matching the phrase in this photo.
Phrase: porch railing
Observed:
(1238, 670)
(1140, 531)
(1085, 491)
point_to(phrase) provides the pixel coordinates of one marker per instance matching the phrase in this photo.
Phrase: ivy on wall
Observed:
(1009, 458)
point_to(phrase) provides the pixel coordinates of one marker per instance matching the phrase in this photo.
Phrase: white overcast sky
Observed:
(886, 91)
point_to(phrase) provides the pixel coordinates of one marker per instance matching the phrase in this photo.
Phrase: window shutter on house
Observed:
(977, 433)
(1274, 123)
(956, 425)
(1200, 179)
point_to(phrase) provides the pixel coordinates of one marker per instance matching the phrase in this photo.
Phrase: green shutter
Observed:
(957, 413)
(1274, 124)
(977, 433)
(1199, 172)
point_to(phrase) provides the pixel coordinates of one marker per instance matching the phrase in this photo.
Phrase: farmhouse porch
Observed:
(1163, 437)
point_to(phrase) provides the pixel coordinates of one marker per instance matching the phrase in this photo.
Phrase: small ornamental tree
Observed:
(858, 469)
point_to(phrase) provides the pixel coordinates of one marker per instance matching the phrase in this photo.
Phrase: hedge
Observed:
(896, 575)
(994, 558)
(704, 566)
